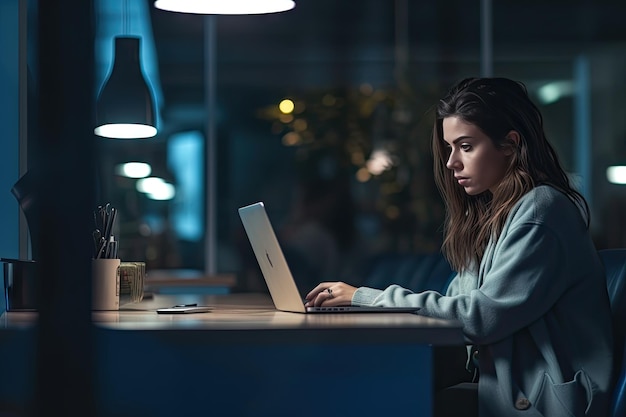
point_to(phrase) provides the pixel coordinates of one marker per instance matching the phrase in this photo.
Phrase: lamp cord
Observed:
(126, 18)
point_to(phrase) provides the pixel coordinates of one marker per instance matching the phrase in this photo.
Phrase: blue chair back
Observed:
(415, 271)
(614, 261)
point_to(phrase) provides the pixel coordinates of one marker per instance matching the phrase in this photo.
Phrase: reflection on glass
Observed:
(185, 157)
(318, 122)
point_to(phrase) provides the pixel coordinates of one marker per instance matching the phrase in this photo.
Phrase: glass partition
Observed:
(324, 113)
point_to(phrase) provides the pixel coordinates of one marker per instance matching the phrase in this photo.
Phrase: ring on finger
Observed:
(330, 292)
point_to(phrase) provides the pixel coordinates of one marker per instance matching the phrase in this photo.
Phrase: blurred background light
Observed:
(379, 162)
(554, 91)
(163, 191)
(286, 106)
(133, 169)
(616, 174)
(149, 185)
(156, 188)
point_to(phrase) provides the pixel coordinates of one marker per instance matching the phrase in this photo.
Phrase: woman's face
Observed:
(477, 164)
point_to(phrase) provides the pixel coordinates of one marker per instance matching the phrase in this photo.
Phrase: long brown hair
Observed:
(497, 106)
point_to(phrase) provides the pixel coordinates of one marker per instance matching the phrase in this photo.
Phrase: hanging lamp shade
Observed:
(125, 108)
(226, 7)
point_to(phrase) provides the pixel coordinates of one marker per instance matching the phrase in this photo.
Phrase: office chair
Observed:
(614, 261)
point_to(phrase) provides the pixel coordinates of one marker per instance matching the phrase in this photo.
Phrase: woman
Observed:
(530, 291)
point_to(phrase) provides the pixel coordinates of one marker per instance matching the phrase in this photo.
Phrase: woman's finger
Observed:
(320, 288)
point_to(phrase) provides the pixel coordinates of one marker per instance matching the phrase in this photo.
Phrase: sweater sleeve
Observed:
(365, 296)
(525, 278)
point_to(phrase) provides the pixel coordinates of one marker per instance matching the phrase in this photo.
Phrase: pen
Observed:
(110, 248)
(103, 244)
(114, 248)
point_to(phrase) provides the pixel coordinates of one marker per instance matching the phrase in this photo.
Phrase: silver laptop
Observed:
(280, 282)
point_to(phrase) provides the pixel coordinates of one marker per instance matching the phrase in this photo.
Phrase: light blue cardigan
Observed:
(537, 310)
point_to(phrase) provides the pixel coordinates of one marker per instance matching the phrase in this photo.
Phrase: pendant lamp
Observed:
(225, 7)
(125, 107)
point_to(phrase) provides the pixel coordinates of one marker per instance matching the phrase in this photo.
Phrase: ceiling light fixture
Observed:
(225, 7)
(125, 107)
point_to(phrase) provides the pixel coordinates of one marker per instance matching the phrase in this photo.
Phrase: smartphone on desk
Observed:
(184, 309)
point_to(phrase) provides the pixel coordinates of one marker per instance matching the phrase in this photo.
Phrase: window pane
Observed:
(346, 173)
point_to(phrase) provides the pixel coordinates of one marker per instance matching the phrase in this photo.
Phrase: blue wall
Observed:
(9, 130)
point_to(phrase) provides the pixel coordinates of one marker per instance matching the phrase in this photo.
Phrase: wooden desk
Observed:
(246, 359)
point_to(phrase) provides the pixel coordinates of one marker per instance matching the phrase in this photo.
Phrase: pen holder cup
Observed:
(105, 284)
(20, 284)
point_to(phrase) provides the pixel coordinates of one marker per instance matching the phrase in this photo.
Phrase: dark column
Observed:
(64, 164)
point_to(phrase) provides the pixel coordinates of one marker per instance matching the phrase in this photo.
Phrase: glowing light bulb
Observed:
(286, 106)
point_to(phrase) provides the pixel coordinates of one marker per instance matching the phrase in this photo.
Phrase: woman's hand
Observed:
(330, 294)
